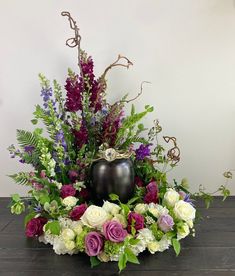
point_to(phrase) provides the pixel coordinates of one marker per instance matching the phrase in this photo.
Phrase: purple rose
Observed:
(34, 227)
(165, 223)
(93, 243)
(78, 211)
(113, 231)
(67, 190)
(135, 220)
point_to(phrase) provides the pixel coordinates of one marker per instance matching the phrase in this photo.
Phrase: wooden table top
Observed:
(211, 252)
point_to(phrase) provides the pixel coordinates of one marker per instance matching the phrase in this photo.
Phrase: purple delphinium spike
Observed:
(59, 138)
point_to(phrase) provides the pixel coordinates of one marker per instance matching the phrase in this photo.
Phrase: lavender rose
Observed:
(165, 223)
(113, 231)
(34, 227)
(136, 220)
(78, 211)
(93, 243)
(67, 190)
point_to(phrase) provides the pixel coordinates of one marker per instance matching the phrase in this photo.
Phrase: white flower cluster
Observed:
(152, 237)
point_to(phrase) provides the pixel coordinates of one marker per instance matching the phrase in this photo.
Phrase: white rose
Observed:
(111, 208)
(171, 197)
(157, 210)
(182, 231)
(69, 201)
(94, 216)
(185, 211)
(67, 234)
(121, 219)
(153, 247)
(141, 208)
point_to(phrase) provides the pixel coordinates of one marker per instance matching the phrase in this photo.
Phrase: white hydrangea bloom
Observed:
(145, 236)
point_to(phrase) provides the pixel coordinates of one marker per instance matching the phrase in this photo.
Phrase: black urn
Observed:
(116, 176)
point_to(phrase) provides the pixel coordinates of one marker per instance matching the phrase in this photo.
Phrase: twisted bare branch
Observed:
(75, 41)
(174, 153)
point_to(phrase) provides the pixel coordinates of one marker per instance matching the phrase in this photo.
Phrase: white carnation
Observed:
(171, 197)
(145, 236)
(94, 216)
(185, 211)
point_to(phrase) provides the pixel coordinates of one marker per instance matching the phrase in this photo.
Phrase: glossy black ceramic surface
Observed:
(112, 177)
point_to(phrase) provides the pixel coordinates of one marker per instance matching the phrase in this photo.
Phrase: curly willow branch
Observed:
(114, 64)
(174, 153)
(138, 95)
(75, 41)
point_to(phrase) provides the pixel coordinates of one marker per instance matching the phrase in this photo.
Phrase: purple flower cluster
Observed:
(46, 94)
(74, 90)
(143, 151)
(59, 138)
(112, 123)
(81, 135)
(67, 190)
(152, 193)
(75, 86)
(136, 220)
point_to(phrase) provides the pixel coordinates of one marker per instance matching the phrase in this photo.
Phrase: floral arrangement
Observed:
(60, 208)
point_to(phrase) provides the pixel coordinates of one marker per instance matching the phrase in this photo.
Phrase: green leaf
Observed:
(28, 217)
(132, 200)
(94, 261)
(125, 208)
(15, 197)
(44, 198)
(34, 121)
(53, 227)
(133, 241)
(131, 257)
(114, 197)
(122, 262)
(176, 246)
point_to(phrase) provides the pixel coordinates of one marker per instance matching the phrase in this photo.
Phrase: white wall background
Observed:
(186, 48)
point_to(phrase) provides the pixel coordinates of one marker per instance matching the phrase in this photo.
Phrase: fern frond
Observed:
(26, 138)
(132, 140)
(21, 178)
(130, 122)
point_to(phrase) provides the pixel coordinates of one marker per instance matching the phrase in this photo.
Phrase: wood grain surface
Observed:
(211, 252)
